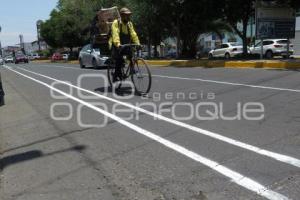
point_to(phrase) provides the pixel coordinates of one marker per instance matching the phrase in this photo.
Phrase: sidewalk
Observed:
(277, 64)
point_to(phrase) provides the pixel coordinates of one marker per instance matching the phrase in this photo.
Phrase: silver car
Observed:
(9, 59)
(91, 57)
(1, 61)
(226, 50)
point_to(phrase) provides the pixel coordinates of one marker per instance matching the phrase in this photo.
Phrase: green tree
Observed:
(182, 19)
(239, 12)
(66, 23)
(147, 17)
(190, 19)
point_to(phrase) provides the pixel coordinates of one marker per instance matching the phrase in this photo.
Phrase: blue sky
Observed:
(20, 16)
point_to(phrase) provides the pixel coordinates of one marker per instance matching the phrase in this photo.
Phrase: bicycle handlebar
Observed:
(130, 45)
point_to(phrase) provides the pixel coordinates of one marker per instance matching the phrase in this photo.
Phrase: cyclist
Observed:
(122, 32)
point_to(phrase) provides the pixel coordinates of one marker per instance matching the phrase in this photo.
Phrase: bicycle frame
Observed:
(132, 70)
(132, 57)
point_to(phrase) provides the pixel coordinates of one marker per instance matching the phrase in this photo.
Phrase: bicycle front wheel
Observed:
(141, 77)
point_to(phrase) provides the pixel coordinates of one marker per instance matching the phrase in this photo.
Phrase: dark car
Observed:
(21, 58)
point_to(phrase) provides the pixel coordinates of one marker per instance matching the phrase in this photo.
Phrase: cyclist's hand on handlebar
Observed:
(119, 48)
(139, 47)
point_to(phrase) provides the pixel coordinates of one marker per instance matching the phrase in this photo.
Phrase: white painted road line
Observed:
(212, 81)
(234, 176)
(279, 157)
(229, 83)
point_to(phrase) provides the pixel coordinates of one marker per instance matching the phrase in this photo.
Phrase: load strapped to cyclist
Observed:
(115, 29)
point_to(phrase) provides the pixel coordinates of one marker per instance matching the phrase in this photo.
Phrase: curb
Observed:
(229, 64)
(213, 64)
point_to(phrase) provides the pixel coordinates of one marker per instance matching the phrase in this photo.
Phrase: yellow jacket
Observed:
(115, 33)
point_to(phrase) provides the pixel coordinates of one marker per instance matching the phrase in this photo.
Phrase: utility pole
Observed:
(257, 4)
(38, 29)
(22, 43)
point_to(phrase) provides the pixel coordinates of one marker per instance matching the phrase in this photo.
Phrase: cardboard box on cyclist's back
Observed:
(104, 18)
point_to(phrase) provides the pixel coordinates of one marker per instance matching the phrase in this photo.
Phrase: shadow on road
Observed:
(123, 91)
(97, 68)
(32, 155)
(46, 140)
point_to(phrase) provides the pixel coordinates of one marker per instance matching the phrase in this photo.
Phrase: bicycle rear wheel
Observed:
(141, 77)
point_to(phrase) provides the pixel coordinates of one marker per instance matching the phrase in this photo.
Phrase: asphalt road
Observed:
(83, 141)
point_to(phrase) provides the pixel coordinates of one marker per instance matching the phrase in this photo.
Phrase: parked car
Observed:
(56, 57)
(226, 50)
(21, 58)
(171, 54)
(145, 54)
(34, 56)
(92, 57)
(9, 59)
(1, 61)
(65, 56)
(271, 48)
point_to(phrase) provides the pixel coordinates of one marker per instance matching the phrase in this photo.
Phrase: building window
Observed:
(208, 44)
(232, 39)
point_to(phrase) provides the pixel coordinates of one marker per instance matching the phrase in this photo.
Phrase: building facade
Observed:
(296, 41)
(34, 46)
(210, 41)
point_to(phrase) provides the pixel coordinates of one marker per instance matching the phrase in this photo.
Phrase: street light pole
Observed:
(38, 28)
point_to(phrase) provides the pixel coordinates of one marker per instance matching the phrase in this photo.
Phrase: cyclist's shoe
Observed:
(117, 76)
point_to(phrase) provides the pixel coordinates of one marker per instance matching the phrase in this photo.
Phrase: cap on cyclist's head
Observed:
(125, 11)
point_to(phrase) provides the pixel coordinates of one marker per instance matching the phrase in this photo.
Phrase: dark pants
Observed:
(1, 93)
(118, 55)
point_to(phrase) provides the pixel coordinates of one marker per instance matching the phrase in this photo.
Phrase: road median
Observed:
(275, 64)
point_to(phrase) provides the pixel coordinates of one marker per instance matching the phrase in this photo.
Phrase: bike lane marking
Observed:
(230, 83)
(279, 157)
(234, 176)
(204, 80)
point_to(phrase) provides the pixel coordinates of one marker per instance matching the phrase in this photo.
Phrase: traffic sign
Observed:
(275, 22)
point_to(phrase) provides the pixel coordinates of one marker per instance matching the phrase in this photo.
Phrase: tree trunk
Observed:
(245, 42)
(178, 38)
(189, 44)
(71, 53)
(220, 35)
(242, 34)
(149, 48)
(155, 50)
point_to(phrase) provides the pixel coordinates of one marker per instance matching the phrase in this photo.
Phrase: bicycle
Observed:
(136, 68)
